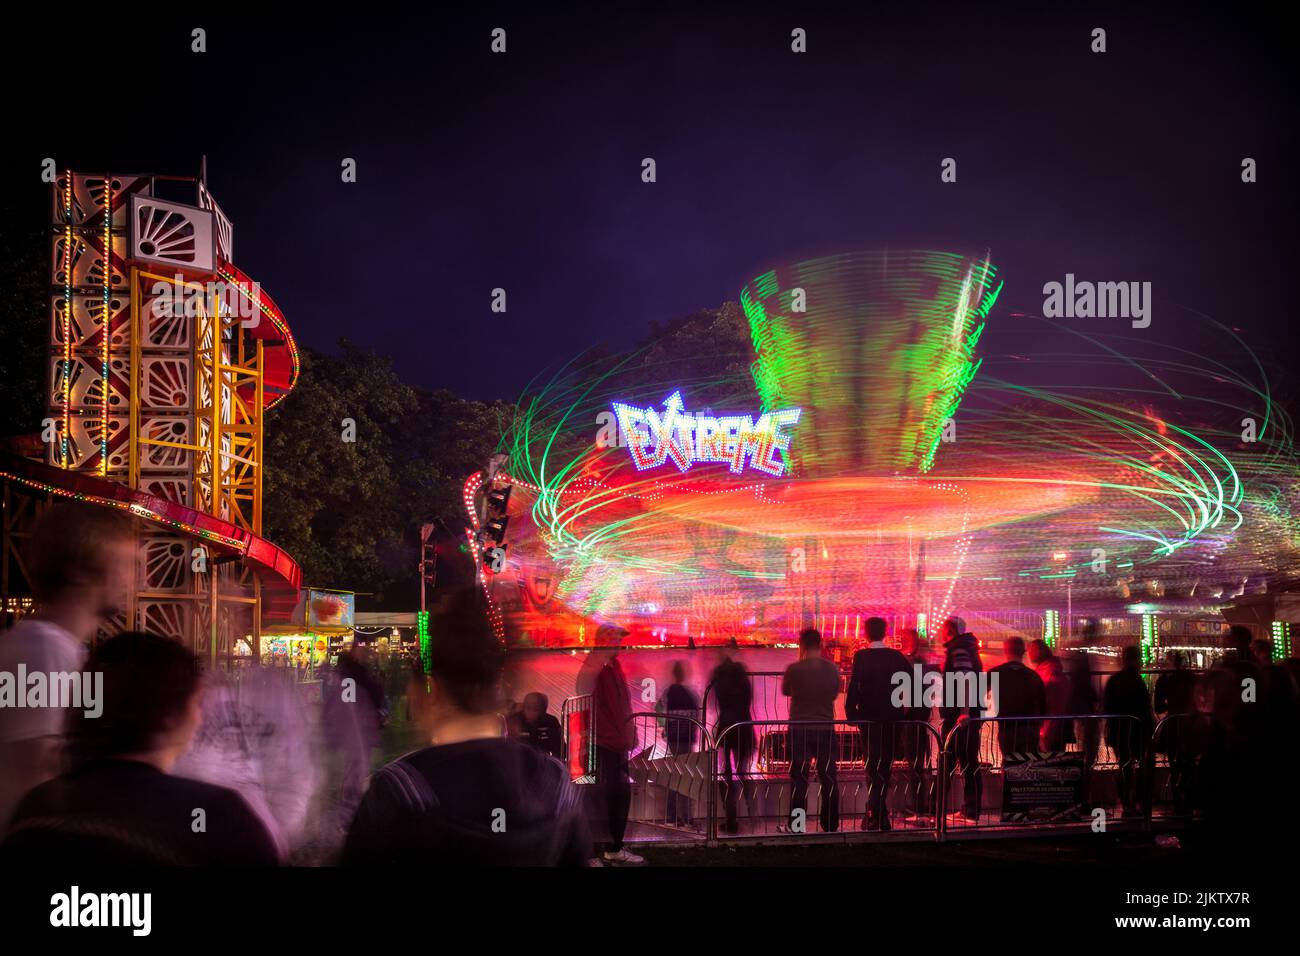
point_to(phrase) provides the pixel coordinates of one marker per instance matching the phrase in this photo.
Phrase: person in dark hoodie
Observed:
(961, 665)
(869, 699)
(1126, 694)
(473, 797)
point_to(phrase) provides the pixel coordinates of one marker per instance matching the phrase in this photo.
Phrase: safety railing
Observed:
(980, 776)
(669, 765)
(1034, 772)
(809, 777)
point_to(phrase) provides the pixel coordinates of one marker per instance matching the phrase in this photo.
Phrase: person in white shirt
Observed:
(81, 564)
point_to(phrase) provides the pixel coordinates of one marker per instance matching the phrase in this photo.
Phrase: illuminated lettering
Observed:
(655, 438)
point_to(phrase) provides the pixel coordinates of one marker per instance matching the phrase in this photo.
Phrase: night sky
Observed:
(523, 170)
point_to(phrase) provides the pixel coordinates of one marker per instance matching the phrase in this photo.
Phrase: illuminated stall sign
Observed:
(675, 435)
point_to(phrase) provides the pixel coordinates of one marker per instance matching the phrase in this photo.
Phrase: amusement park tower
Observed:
(163, 359)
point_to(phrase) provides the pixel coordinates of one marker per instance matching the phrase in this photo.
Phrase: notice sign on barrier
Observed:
(1042, 786)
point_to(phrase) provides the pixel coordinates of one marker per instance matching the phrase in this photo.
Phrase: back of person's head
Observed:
(73, 545)
(1240, 637)
(1130, 657)
(536, 702)
(679, 672)
(1177, 660)
(954, 627)
(876, 628)
(465, 657)
(1263, 650)
(810, 639)
(1014, 647)
(149, 685)
(1039, 650)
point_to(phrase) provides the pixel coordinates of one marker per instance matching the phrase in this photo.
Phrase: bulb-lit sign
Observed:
(654, 438)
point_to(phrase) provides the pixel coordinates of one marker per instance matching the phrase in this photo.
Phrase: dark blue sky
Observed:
(523, 171)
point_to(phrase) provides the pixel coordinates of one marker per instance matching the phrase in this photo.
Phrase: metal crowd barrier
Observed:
(983, 776)
(669, 765)
(1033, 772)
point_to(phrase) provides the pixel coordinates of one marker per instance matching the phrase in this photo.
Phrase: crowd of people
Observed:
(492, 784)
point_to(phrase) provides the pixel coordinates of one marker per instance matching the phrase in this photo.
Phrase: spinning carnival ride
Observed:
(163, 359)
(842, 450)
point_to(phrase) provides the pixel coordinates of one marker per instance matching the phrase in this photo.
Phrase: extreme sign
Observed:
(675, 435)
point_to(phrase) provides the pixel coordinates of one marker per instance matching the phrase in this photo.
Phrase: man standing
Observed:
(734, 693)
(1019, 693)
(81, 565)
(812, 683)
(869, 699)
(615, 737)
(915, 740)
(961, 667)
(1126, 694)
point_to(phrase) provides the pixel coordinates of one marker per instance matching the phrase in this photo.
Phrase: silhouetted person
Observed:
(915, 741)
(615, 737)
(1126, 693)
(1083, 703)
(1056, 686)
(1174, 700)
(532, 725)
(870, 698)
(1019, 693)
(812, 683)
(120, 805)
(961, 667)
(473, 797)
(734, 695)
(81, 564)
(681, 710)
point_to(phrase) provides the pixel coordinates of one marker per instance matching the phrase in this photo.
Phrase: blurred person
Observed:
(1174, 702)
(472, 797)
(915, 741)
(1056, 686)
(812, 683)
(615, 737)
(734, 695)
(353, 709)
(81, 563)
(1020, 693)
(532, 725)
(256, 738)
(961, 664)
(869, 699)
(1083, 704)
(1126, 694)
(681, 708)
(121, 804)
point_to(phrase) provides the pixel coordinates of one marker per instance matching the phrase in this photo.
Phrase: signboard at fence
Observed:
(1042, 786)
